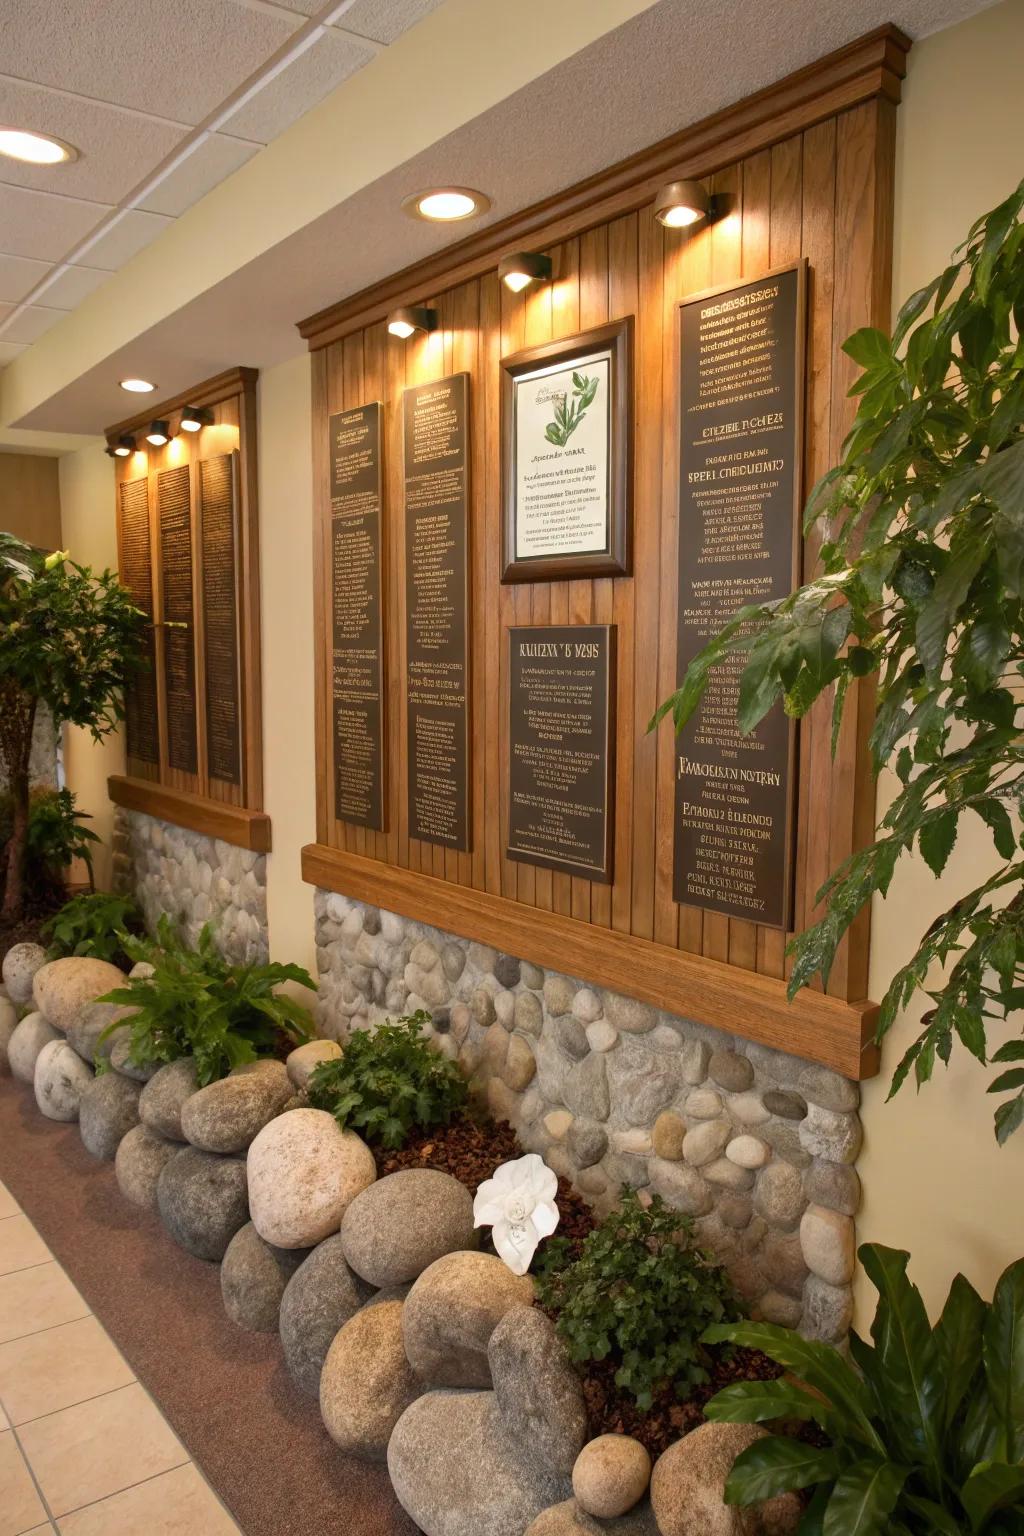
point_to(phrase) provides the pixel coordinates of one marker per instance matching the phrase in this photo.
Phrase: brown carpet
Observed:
(226, 1393)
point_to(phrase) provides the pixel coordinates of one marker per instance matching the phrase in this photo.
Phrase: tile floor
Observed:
(84, 1449)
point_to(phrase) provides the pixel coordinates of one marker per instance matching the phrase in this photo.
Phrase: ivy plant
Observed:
(94, 924)
(388, 1082)
(920, 588)
(640, 1293)
(925, 1427)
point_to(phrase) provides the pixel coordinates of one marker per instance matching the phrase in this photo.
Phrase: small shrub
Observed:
(389, 1081)
(640, 1293)
(56, 836)
(198, 1004)
(94, 924)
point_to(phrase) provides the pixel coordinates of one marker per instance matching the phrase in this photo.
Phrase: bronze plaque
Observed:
(741, 434)
(436, 426)
(561, 743)
(172, 492)
(218, 502)
(356, 577)
(142, 722)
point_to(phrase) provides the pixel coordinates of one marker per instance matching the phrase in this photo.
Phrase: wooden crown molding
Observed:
(211, 818)
(740, 1002)
(872, 66)
(223, 386)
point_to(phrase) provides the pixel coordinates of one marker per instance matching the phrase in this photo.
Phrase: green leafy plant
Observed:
(95, 924)
(197, 1003)
(570, 412)
(389, 1081)
(56, 835)
(69, 640)
(920, 587)
(640, 1293)
(927, 1433)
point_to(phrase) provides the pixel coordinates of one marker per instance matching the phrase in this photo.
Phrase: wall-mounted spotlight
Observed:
(122, 447)
(683, 203)
(525, 267)
(412, 317)
(159, 433)
(195, 417)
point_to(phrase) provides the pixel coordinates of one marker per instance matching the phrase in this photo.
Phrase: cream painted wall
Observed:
(90, 534)
(934, 1179)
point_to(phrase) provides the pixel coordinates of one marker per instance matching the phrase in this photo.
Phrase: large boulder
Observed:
(367, 1382)
(319, 1299)
(304, 1173)
(225, 1116)
(253, 1278)
(568, 1519)
(8, 1024)
(61, 1078)
(165, 1096)
(20, 965)
(451, 1312)
(304, 1060)
(109, 1110)
(539, 1395)
(688, 1488)
(25, 1043)
(89, 1025)
(139, 1162)
(62, 988)
(202, 1201)
(611, 1475)
(456, 1471)
(397, 1227)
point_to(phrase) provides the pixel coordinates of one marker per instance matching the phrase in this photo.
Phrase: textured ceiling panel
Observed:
(18, 276)
(32, 224)
(131, 234)
(175, 58)
(72, 286)
(214, 159)
(32, 323)
(386, 20)
(116, 150)
(312, 76)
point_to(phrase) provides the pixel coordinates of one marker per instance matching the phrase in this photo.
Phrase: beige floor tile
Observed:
(20, 1504)
(178, 1503)
(61, 1366)
(8, 1205)
(20, 1245)
(40, 1297)
(41, 1530)
(88, 1452)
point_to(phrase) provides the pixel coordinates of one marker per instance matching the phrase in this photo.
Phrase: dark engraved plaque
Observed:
(356, 575)
(141, 716)
(436, 434)
(172, 492)
(741, 433)
(220, 617)
(561, 747)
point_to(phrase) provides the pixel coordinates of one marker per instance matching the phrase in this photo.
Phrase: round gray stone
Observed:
(61, 1078)
(108, 1111)
(586, 1142)
(571, 1036)
(681, 1186)
(227, 1115)
(642, 1095)
(731, 1071)
(367, 1382)
(20, 965)
(253, 1277)
(828, 1089)
(25, 1043)
(779, 1196)
(90, 1023)
(540, 1396)
(398, 1226)
(831, 1134)
(528, 1016)
(833, 1184)
(203, 1201)
(629, 1015)
(785, 1103)
(138, 1163)
(451, 1312)
(319, 1299)
(8, 1024)
(165, 1095)
(507, 970)
(121, 1059)
(585, 1089)
(827, 1311)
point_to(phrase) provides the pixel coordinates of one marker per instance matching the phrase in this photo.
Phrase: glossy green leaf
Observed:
(1003, 1352)
(992, 1485)
(907, 1360)
(958, 1344)
(776, 1465)
(863, 1499)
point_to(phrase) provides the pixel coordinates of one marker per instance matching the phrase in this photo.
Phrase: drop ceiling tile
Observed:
(385, 20)
(175, 58)
(9, 351)
(211, 162)
(18, 276)
(5, 310)
(42, 226)
(72, 286)
(32, 323)
(131, 234)
(312, 76)
(116, 149)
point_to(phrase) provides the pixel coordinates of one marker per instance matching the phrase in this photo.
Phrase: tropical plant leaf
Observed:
(776, 1465)
(957, 1339)
(992, 1485)
(1003, 1354)
(863, 1498)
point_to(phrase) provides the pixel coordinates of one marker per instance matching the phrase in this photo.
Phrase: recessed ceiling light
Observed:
(137, 386)
(446, 205)
(35, 148)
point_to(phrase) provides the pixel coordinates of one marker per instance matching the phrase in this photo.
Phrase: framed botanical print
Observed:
(567, 457)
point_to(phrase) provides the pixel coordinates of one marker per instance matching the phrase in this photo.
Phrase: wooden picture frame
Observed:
(605, 547)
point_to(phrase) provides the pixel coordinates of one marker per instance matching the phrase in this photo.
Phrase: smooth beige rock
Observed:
(451, 1312)
(25, 1043)
(304, 1060)
(399, 1225)
(227, 1115)
(611, 1474)
(139, 1162)
(61, 988)
(61, 1078)
(367, 1382)
(668, 1135)
(688, 1488)
(304, 1172)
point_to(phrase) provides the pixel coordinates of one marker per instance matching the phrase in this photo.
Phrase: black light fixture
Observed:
(525, 267)
(121, 447)
(410, 318)
(680, 204)
(159, 433)
(195, 417)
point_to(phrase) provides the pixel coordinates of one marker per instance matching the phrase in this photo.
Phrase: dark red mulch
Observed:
(28, 930)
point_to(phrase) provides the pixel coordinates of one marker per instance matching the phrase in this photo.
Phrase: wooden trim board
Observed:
(739, 1002)
(211, 818)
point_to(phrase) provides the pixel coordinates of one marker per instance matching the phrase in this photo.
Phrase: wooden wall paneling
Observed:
(335, 386)
(553, 600)
(395, 360)
(375, 388)
(227, 439)
(466, 344)
(513, 600)
(322, 602)
(493, 797)
(353, 394)
(249, 581)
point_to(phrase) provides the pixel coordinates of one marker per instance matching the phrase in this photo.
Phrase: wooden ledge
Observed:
(231, 823)
(814, 1026)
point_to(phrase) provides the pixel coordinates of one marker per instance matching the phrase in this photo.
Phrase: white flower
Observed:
(518, 1204)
